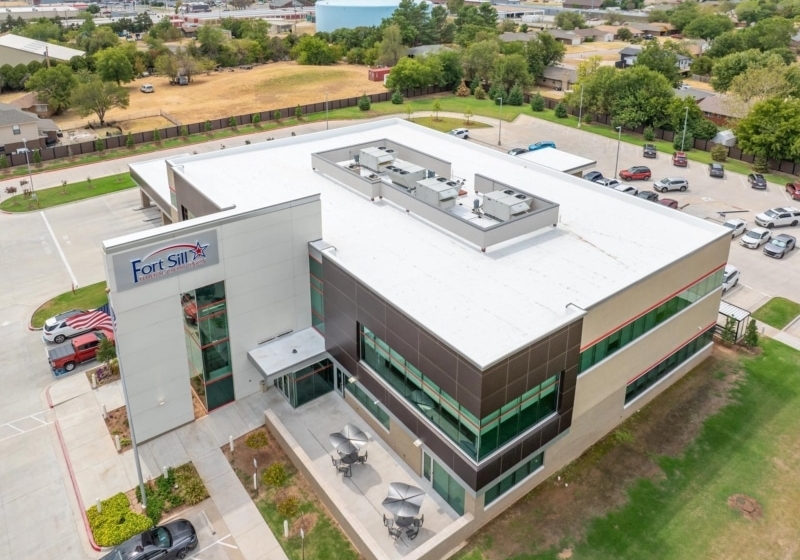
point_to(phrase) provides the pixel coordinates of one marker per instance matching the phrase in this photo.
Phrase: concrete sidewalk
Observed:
(101, 472)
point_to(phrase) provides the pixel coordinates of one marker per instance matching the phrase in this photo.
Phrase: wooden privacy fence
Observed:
(111, 142)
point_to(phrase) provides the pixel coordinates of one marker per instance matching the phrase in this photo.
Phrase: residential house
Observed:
(583, 4)
(684, 63)
(722, 110)
(566, 37)
(18, 128)
(32, 104)
(696, 47)
(595, 34)
(560, 78)
(657, 28)
(627, 56)
(696, 94)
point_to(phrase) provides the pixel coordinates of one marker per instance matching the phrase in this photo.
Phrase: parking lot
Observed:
(761, 277)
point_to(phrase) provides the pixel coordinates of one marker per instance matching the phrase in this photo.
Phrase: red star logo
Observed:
(199, 251)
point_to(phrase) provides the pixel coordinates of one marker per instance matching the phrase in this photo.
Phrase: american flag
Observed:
(90, 321)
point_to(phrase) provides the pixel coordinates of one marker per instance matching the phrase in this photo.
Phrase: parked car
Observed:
(636, 173)
(650, 151)
(627, 189)
(606, 182)
(755, 238)
(517, 151)
(793, 190)
(164, 542)
(540, 145)
(778, 217)
(147, 88)
(779, 245)
(75, 324)
(669, 203)
(736, 225)
(671, 184)
(730, 277)
(679, 159)
(757, 181)
(460, 133)
(716, 170)
(593, 176)
(59, 320)
(647, 195)
(80, 349)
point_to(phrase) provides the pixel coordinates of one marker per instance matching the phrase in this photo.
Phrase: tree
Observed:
(683, 14)
(719, 152)
(771, 129)
(761, 82)
(452, 72)
(106, 352)
(624, 34)
(560, 110)
(256, 119)
(640, 97)
(479, 60)
(129, 142)
(729, 331)
(751, 334)
(660, 60)
(211, 39)
(510, 70)
(708, 26)
(537, 102)
(543, 51)
(597, 84)
(364, 103)
(751, 11)
(99, 39)
(769, 34)
(570, 20)
(409, 73)
(730, 66)
(314, 51)
(703, 65)
(412, 20)
(54, 86)
(96, 96)
(113, 65)
(516, 96)
(167, 65)
(391, 48)
(93, 9)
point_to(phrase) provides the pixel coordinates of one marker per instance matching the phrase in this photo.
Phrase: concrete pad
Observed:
(197, 438)
(88, 454)
(226, 422)
(230, 499)
(129, 465)
(111, 395)
(243, 518)
(251, 409)
(212, 465)
(68, 388)
(167, 450)
(223, 484)
(259, 542)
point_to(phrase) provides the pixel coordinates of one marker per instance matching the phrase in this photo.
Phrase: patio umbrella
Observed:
(355, 435)
(341, 444)
(349, 440)
(403, 500)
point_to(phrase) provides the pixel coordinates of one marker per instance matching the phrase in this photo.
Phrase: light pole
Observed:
(619, 139)
(28, 161)
(580, 109)
(500, 122)
(685, 120)
(326, 110)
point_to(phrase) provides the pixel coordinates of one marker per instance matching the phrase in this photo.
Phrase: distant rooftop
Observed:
(484, 305)
(20, 43)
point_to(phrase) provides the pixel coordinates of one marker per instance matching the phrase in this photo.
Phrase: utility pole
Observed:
(685, 120)
(500, 122)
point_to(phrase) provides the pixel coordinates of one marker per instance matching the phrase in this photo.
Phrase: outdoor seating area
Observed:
(348, 443)
(403, 502)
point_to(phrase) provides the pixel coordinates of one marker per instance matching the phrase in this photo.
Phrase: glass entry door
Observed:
(341, 380)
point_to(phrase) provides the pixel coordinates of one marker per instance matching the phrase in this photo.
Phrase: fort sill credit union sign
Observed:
(154, 262)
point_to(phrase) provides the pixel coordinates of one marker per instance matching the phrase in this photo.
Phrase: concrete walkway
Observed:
(100, 472)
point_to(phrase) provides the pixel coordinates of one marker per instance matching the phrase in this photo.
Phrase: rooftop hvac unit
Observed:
(504, 206)
(405, 174)
(376, 159)
(439, 195)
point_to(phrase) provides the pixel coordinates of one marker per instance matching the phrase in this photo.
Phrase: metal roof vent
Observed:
(389, 150)
(508, 191)
(441, 179)
(521, 197)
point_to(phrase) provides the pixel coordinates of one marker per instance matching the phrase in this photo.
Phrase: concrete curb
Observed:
(93, 544)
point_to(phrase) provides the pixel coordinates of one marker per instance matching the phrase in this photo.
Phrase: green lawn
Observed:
(445, 124)
(87, 297)
(45, 198)
(777, 312)
(750, 447)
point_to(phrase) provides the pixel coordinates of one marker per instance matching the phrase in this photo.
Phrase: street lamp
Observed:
(28, 161)
(685, 120)
(619, 139)
(326, 110)
(580, 109)
(500, 122)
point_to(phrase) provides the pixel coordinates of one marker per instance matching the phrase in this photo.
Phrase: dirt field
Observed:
(225, 94)
(598, 481)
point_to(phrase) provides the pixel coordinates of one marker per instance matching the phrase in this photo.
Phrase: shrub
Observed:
(515, 96)
(561, 110)
(648, 133)
(397, 97)
(232, 123)
(190, 486)
(275, 475)
(156, 136)
(497, 92)
(3, 161)
(184, 132)
(479, 93)
(289, 507)
(474, 85)
(364, 103)
(719, 152)
(207, 127)
(129, 141)
(462, 90)
(276, 114)
(116, 522)
(729, 331)
(751, 334)
(537, 102)
(760, 164)
(298, 112)
(256, 440)
(37, 157)
(99, 145)
(681, 143)
(257, 118)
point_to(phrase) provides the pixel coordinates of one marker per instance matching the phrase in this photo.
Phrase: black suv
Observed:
(757, 181)
(650, 151)
(165, 542)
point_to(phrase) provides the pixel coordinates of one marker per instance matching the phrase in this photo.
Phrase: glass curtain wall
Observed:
(650, 320)
(208, 345)
(307, 384)
(444, 484)
(317, 294)
(477, 438)
(513, 478)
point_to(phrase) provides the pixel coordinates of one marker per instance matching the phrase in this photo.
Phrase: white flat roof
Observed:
(558, 160)
(484, 305)
(38, 47)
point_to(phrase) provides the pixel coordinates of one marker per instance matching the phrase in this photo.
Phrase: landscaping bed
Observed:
(283, 493)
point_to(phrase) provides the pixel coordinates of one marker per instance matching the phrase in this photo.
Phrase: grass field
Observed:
(685, 511)
(777, 312)
(54, 196)
(87, 297)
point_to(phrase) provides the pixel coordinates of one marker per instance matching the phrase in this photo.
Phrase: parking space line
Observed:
(219, 541)
(60, 252)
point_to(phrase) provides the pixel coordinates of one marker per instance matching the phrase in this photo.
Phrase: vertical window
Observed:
(513, 478)
(317, 294)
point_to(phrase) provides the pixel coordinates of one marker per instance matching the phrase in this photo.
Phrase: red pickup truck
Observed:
(79, 349)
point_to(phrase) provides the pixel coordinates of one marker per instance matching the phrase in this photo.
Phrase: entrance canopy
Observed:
(288, 353)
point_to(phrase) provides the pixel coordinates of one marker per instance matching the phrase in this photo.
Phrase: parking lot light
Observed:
(500, 121)
(619, 139)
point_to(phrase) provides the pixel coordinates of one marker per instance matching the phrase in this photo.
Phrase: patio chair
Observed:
(418, 522)
(342, 468)
(363, 458)
(395, 533)
(412, 533)
(335, 462)
(388, 521)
